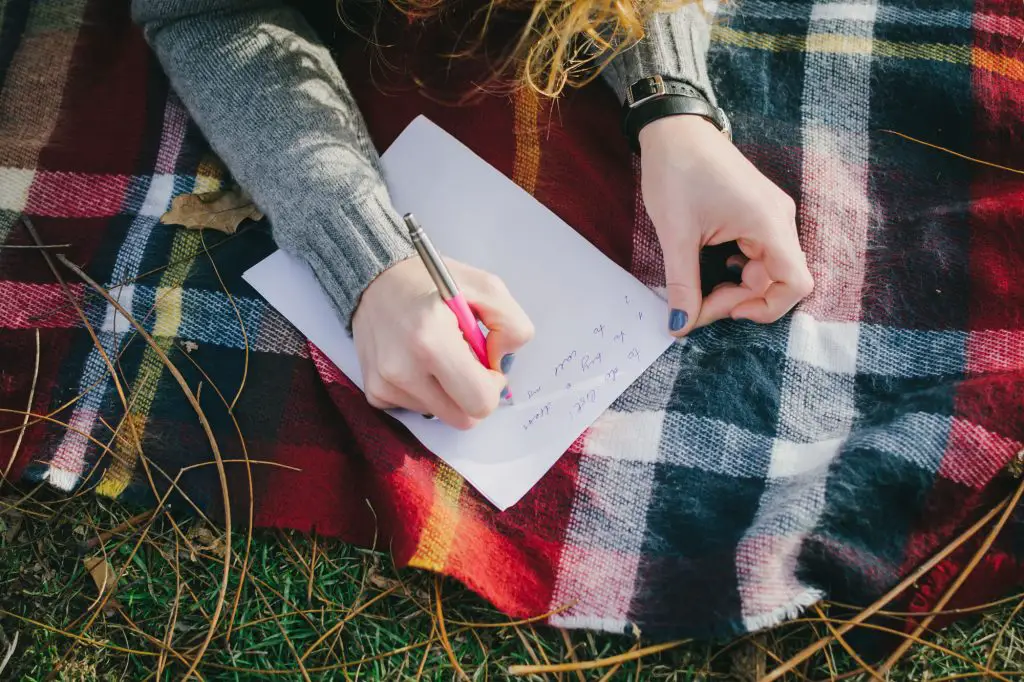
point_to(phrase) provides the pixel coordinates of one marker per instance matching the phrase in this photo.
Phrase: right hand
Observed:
(412, 353)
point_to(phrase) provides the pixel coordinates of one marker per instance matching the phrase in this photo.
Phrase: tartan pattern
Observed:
(749, 472)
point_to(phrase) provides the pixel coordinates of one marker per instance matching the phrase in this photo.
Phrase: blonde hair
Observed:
(563, 42)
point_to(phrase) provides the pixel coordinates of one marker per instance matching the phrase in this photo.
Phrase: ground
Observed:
(312, 609)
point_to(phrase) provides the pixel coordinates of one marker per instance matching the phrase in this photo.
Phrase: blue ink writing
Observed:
(540, 414)
(565, 362)
(587, 399)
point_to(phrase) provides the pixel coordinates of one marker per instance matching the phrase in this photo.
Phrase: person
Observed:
(273, 105)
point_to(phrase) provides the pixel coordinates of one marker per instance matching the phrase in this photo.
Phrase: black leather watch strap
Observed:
(653, 98)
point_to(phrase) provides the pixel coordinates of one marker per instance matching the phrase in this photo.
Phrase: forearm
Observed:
(675, 44)
(274, 107)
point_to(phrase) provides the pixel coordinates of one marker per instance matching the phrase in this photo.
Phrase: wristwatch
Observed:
(655, 97)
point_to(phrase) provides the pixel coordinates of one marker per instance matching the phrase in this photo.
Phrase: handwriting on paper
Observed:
(577, 375)
(591, 342)
(537, 416)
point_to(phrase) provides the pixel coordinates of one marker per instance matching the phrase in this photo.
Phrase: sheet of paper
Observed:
(598, 327)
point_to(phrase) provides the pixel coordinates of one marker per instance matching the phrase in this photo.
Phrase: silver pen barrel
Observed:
(431, 259)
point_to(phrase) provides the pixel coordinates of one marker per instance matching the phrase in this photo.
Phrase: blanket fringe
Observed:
(60, 479)
(782, 614)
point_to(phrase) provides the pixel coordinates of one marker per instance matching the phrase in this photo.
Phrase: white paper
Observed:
(598, 327)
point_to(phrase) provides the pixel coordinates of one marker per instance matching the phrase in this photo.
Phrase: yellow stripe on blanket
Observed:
(167, 310)
(859, 45)
(436, 539)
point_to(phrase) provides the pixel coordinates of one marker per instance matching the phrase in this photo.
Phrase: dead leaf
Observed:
(221, 210)
(204, 540)
(105, 577)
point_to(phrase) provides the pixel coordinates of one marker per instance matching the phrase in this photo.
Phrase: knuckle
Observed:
(375, 392)
(481, 405)
(491, 284)
(420, 346)
(391, 372)
(521, 333)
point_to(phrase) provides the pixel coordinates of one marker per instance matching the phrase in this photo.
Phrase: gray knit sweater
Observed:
(272, 104)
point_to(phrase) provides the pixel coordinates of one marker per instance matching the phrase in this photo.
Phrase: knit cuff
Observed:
(348, 248)
(675, 44)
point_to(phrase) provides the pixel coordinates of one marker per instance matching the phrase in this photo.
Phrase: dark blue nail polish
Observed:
(677, 319)
(734, 269)
(504, 393)
(506, 362)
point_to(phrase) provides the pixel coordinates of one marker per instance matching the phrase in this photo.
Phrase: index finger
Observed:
(786, 266)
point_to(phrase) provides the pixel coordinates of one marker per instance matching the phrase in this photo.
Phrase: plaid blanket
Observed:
(750, 472)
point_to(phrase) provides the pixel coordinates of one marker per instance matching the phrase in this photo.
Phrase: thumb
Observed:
(682, 285)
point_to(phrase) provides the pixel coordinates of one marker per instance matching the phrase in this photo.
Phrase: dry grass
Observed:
(316, 609)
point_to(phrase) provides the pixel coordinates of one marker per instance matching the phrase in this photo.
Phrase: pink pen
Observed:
(449, 292)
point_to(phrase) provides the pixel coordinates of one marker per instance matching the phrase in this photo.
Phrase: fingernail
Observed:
(429, 416)
(677, 319)
(506, 362)
(734, 269)
(505, 392)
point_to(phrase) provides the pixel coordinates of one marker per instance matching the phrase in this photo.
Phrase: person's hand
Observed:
(700, 190)
(413, 355)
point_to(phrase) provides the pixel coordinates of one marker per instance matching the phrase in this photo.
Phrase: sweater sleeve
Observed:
(674, 44)
(272, 104)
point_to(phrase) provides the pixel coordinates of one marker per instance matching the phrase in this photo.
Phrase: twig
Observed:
(597, 663)
(1002, 631)
(572, 652)
(35, 246)
(950, 151)
(225, 493)
(529, 649)
(90, 544)
(445, 642)
(99, 644)
(340, 624)
(10, 652)
(812, 649)
(426, 652)
(614, 669)
(172, 621)
(312, 572)
(846, 647)
(960, 579)
(284, 634)
(125, 403)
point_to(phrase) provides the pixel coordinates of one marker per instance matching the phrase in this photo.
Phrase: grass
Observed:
(379, 623)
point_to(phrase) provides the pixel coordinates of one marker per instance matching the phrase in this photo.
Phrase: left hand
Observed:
(700, 190)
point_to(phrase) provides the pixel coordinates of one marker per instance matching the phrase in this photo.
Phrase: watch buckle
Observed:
(657, 82)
